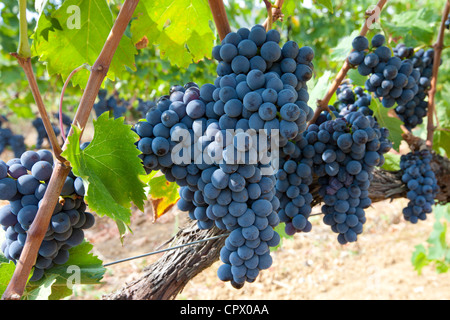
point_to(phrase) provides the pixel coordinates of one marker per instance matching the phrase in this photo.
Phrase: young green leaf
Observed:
(418, 24)
(356, 78)
(327, 4)
(319, 88)
(419, 258)
(344, 47)
(283, 235)
(6, 273)
(110, 168)
(391, 123)
(392, 162)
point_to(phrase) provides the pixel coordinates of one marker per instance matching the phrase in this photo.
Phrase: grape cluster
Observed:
(391, 79)
(258, 79)
(413, 112)
(177, 120)
(262, 86)
(145, 106)
(343, 154)
(421, 183)
(8, 138)
(228, 133)
(112, 104)
(38, 124)
(232, 194)
(353, 99)
(23, 182)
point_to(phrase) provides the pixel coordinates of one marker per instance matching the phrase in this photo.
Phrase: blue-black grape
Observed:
(421, 183)
(69, 216)
(420, 69)
(226, 179)
(389, 72)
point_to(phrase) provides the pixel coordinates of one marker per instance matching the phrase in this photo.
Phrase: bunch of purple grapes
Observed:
(23, 182)
(393, 80)
(8, 138)
(413, 112)
(421, 183)
(227, 179)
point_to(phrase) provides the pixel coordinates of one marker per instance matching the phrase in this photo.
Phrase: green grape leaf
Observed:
(441, 137)
(180, 29)
(74, 35)
(81, 268)
(392, 162)
(326, 3)
(438, 246)
(356, 78)
(110, 168)
(6, 272)
(319, 88)
(418, 24)
(385, 120)
(164, 195)
(344, 47)
(419, 258)
(289, 7)
(283, 235)
(42, 291)
(441, 267)
(442, 211)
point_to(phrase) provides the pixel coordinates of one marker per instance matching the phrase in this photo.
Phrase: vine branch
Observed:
(220, 17)
(25, 63)
(23, 56)
(274, 14)
(438, 46)
(269, 15)
(39, 226)
(322, 105)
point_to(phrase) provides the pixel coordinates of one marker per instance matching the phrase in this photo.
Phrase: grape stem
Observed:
(274, 13)
(25, 63)
(220, 17)
(438, 46)
(23, 56)
(84, 66)
(269, 15)
(23, 49)
(322, 105)
(40, 224)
